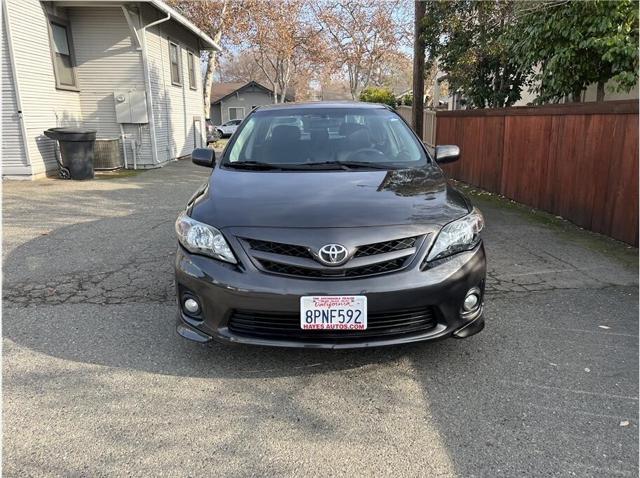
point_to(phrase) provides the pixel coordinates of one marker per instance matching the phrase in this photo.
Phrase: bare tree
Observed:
(241, 68)
(396, 75)
(284, 41)
(363, 37)
(217, 18)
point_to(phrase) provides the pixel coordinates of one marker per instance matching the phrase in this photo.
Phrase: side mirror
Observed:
(447, 153)
(204, 157)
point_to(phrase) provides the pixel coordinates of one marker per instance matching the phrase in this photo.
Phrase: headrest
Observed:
(319, 135)
(348, 128)
(285, 133)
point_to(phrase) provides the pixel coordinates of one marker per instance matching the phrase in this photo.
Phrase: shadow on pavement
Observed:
(541, 392)
(110, 301)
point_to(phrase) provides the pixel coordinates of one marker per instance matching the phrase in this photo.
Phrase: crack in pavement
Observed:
(140, 280)
(151, 280)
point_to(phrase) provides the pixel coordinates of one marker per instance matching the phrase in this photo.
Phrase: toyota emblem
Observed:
(333, 254)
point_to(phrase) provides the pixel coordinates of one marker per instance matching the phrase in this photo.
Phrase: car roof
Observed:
(324, 105)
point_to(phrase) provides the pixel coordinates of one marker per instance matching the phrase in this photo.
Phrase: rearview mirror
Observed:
(447, 153)
(204, 157)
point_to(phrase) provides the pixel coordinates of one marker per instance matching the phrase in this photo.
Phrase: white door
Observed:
(197, 132)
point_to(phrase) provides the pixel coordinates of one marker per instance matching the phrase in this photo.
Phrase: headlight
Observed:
(203, 239)
(460, 235)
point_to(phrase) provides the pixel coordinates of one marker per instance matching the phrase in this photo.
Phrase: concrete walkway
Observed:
(97, 383)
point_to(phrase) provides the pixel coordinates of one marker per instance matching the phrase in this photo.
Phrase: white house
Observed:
(455, 101)
(127, 69)
(588, 95)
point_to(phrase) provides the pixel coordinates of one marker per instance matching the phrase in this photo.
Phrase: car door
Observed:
(234, 126)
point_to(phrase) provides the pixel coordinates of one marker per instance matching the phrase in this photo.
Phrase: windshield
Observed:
(330, 137)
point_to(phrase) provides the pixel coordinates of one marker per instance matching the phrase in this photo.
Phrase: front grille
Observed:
(368, 260)
(386, 246)
(279, 248)
(302, 251)
(368, 270)
(268, 325)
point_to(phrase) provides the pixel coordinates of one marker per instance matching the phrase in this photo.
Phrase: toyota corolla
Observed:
(328, 225)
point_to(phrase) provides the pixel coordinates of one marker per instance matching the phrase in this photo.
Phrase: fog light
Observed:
(191, 306)
(471, 302)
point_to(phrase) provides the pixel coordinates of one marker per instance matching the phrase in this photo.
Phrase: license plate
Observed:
(333, 312)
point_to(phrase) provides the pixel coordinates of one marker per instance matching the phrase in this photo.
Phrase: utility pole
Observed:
(417, 111)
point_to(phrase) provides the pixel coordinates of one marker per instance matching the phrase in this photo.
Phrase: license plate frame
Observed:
(333, 312)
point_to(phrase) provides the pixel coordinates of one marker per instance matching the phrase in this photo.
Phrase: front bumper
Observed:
(223, 288)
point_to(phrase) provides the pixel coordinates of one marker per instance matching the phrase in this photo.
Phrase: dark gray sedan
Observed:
(328, 225)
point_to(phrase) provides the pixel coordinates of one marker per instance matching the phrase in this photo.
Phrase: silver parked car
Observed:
(215, 132)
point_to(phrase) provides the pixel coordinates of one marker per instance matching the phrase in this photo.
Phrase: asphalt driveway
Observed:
(97, 383)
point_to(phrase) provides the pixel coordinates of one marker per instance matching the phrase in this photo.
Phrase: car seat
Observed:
(284, 146)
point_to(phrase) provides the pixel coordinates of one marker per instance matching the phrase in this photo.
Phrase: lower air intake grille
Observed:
(287, 326)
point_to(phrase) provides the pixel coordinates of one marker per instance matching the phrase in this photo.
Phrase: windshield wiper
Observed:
(345, 165)
(365, 164)
(254, 165)
(326, 165)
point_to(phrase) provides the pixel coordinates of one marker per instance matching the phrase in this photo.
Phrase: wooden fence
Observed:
(428, 123)
(577, 161)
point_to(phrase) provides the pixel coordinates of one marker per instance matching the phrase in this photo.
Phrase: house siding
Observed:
(591, 93)
(107, 60)
(43, 105)
(14, 156)
(244, 99)
(174, 107)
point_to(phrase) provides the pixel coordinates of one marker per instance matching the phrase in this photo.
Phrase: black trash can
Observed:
(76, 148)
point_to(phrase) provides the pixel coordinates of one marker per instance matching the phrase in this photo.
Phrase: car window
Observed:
(303, 136)
(242, 149)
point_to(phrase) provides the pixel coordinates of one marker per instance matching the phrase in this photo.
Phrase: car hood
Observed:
(325, 199)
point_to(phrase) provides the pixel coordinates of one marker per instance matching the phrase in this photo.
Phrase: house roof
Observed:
(401, 93)
(160, 5)
(221, 91)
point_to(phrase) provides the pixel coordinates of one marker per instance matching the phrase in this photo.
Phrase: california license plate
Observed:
(333, 312)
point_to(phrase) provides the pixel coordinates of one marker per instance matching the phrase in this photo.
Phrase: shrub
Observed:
(407, 99)
(374, 94)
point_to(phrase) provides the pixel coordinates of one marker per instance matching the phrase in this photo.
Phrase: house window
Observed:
(236, 113)
(174, 59)
(192, 71)
(62, 55)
